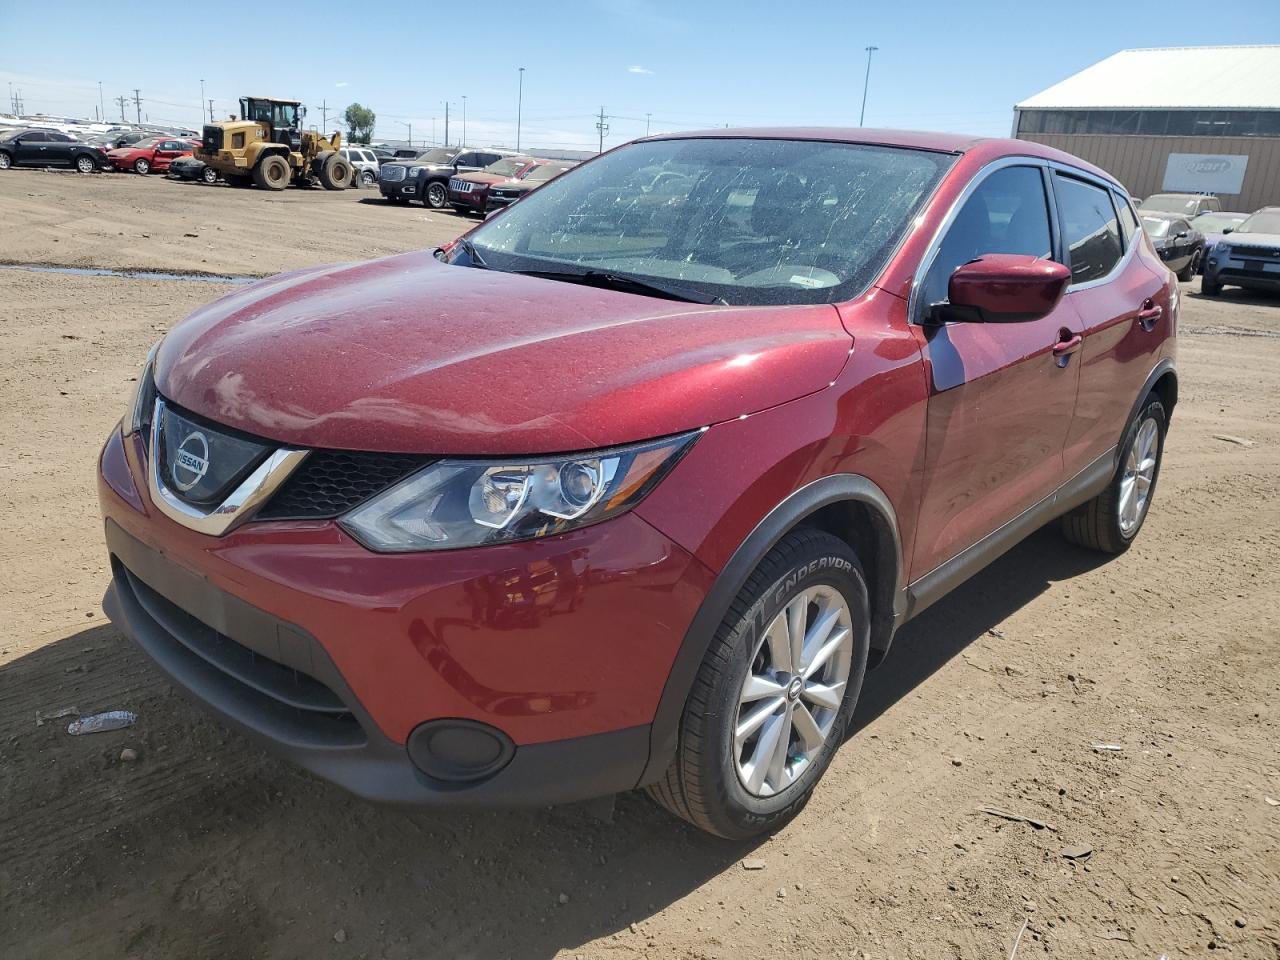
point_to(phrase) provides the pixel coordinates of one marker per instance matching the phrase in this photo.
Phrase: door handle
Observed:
(1149, 314)
(1067, 344)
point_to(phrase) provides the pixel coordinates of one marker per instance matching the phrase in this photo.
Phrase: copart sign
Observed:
(1204, 173)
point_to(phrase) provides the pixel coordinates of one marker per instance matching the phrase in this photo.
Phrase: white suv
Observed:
(365, 162)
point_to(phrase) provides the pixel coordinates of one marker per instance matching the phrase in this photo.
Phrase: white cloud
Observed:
(342, 83)
(643, 71)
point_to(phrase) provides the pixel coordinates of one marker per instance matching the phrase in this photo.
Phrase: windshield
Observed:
(1169, 203)
(546, 171)
(438, 155)
(1216, 222)
(506, 167)
(748, 221)
(1265, 221)
(1155, 227)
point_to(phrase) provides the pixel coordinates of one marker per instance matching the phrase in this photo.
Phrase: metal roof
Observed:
(1171, 78)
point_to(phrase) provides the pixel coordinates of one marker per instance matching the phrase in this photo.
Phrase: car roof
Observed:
(1162, 215)
(956, 143)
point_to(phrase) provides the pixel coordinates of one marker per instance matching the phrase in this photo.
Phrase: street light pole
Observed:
(464, 120)
(102, 104)
(410, 126)
(201, 99)
(866, 81)
(519, 108)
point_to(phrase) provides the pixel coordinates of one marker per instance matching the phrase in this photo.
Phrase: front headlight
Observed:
(137, 418)
(467, 503)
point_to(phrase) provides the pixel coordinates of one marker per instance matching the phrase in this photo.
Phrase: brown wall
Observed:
(1139, 162)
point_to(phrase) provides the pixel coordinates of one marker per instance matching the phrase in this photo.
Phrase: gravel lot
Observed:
(204, 846)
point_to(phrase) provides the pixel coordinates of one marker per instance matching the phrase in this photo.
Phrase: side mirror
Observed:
(1227, 230)
(1181, 235)
(1004, 288)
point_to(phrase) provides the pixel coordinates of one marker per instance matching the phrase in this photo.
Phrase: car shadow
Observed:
(204, 844)
(1250, 298)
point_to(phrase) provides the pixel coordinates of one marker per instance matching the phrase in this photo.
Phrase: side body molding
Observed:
(887, 590)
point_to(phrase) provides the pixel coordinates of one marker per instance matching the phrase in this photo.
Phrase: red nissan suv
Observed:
(628, 486)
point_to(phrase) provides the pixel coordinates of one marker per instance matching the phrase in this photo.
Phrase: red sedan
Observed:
(150, 156)
(630, 485)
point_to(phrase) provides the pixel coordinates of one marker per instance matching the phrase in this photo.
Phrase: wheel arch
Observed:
(849, 506)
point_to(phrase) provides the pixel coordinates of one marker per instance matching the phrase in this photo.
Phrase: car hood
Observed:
(407, 354)
(481, 178)
(1252, 239)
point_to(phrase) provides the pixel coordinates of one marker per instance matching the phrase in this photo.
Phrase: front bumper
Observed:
(334, 656)
(475, 199)
(1242, 271)
(406, 188)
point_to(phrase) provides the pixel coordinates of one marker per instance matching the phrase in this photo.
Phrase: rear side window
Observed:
(1090, 228)
(1128, 219)
(1007, 213)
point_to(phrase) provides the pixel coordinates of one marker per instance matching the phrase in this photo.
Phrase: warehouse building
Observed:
(1177, 119)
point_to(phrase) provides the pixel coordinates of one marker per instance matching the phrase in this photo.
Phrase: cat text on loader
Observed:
(268, 146)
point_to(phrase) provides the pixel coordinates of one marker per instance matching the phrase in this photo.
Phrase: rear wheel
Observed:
(85, 163)
(272, 173)
(437, 196)
(209, 175)
(6, 161)
(367, 178)
(336, 172)
(1110, 521)
(142, 165)
(772, 699)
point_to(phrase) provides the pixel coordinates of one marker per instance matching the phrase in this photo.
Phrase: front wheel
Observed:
(1188, 272)
(85, 164)
(142, 165)
(772, 699)
(437, 196)
(6, 161)
(1110, 521)
(336, 173)
(209, 175)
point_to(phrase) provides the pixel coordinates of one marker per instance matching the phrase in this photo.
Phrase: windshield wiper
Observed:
(617, 281)
(473, 253)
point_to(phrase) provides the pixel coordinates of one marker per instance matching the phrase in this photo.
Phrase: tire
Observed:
(710, 783)
(6, 161)
(1188, 272)
(367, 178)
(336, 172)
(1210, 288)
(1110, 522)
(209, 175)
(272, 173)
(142, 166)
(437, 196)
(86, 163)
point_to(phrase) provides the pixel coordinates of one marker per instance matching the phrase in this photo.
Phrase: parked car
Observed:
(48, 148)
(365, 162)
(1178, 244)
(426, 179)
(415, 592)
(504, 194)
(468, 192)
(1249, 257)
(382, 154)
(190, 168)
(1183, 204)
(151, 156)
(1214, 226)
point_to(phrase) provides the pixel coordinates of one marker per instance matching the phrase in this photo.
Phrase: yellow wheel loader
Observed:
(267, 146)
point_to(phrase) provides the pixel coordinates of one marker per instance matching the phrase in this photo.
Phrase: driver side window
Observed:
(1007, 213)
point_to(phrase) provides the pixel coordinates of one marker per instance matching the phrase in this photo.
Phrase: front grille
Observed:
(331, 482)
(461, 186)
(393, 173)
(291, 703)
(1254, 253)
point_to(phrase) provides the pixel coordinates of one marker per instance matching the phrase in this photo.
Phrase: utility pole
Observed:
(464, 119)
(211, 110)
(647, 118)
(519, 108)
(122, 100)
(137, 103)
(603, 128)
(102, 106)
(433, 131)
(446, 123)
(202, 94)
(410, 126)
(866, 82)
(324, 116)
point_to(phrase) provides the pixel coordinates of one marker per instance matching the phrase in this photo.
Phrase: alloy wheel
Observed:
(5, 161)
(793, 691)
(84, 164)
(436, 196)
(1139, 475)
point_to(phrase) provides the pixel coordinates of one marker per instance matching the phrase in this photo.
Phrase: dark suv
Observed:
(426, 179)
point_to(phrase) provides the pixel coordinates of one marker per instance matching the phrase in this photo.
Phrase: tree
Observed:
(360, 121)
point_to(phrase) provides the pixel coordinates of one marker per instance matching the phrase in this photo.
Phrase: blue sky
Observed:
(698, 63)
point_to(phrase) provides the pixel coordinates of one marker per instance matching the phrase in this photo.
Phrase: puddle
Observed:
(128, 274)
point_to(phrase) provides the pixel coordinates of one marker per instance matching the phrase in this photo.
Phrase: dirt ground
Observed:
(204, 846)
